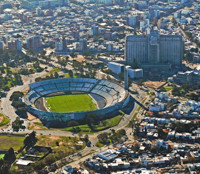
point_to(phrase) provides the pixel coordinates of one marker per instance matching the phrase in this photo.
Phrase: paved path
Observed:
(9, 111)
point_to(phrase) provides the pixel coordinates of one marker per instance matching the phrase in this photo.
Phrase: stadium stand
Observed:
(108, 95)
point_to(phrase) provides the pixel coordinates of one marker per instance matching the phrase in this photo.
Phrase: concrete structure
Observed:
(126, 77)
(135, 73)
(116, 67)
(154, 49)
(1, 45)
(191, 77)
(52, 3)
(116, 97)
(83, 45)
(38, 11)
(34, 42)
(108, 155)
(132, 20)
(94, 30)
(59, 45)
(15, 45)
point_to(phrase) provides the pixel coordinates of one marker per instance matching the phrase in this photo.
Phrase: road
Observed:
(93, 138)
(6, 107)
(9, 111)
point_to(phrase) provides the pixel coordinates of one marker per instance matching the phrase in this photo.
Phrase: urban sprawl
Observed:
(99, 86)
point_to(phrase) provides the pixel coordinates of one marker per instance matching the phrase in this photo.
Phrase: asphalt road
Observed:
(9, 111)
(6, 107)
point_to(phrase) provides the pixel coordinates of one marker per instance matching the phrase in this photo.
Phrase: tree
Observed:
(103, 138)
(132, 124)
(73, 54)
(189, 56)
(80, 134)
(16, 95)
(70, 73)
(72, 123)
(17, 124)
(135, 64)
(30, 139)
(86, 138)
(10, 156)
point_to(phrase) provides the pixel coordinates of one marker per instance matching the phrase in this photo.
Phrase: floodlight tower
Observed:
(126, 76)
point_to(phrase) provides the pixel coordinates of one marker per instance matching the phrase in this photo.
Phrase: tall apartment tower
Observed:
(1, 45)
(83, 45)
(154, 50)
(15, 45)
(34, 42)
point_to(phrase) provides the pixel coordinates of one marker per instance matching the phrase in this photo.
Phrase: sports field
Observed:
(70, 103)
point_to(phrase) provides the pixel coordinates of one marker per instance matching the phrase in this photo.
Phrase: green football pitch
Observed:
(70, 103)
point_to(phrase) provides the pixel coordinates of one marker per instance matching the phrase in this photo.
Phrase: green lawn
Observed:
(68, 76)
(11, 141)
(58, 142)
(2, 156)
(5, 120)
(70, 103)
(98, 144)
(105, 124)
(167, 88)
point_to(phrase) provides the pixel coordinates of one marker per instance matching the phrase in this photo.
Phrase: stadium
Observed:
(61, 100)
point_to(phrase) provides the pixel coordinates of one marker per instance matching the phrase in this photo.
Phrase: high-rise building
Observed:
(59, 45)
(76, 34)
(64, 42)
(1, 45)
(38, 11)
(154, 49)
(15, 45)
(132, 20)
(83, 45)
(119, 2)
(34, 42)
(94, 30)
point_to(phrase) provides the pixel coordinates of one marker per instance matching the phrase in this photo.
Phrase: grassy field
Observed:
(167, 88)
(11, 141)
(4, 120)
(68, 76)
(105, 124)
(58, 142)
(70, 103)
(2, 156)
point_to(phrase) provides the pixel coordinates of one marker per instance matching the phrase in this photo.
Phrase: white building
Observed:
(157, 106)
(162, 95)
(135, 73)
(38, 11)
(59, 45)
(116, 67)
(132, 20)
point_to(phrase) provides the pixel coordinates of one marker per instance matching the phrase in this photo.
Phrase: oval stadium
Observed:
(61, 100)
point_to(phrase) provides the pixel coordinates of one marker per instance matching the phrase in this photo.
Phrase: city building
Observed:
(1, 45)
(15, 45)
(83, 45)
(59, 45)
(116, 67)
(135, 73)
(94, 30)
(132, 20)
(34, 42)
(38, 11)
(154, 50)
